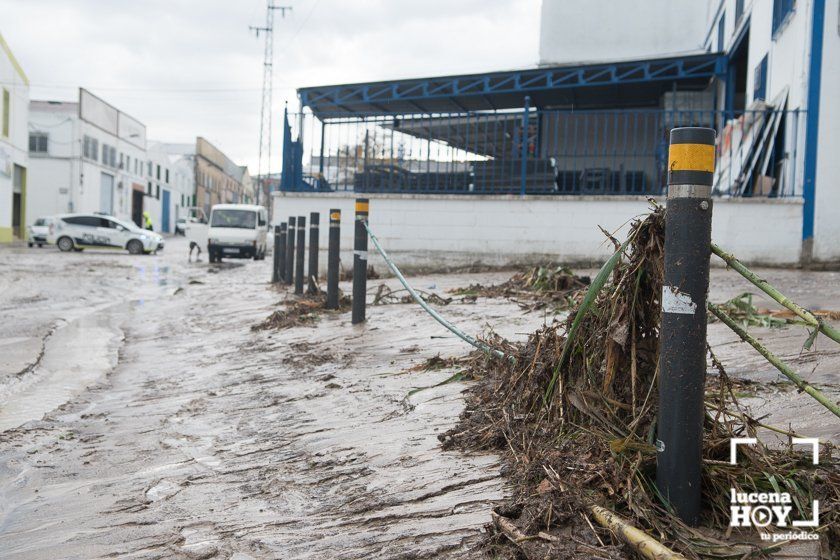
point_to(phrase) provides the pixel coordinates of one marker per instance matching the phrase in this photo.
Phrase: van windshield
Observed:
(244, 219)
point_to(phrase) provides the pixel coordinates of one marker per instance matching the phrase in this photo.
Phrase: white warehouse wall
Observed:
(606, 30)
(453, 231)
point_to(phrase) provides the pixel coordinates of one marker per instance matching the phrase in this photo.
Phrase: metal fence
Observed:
(616, 152)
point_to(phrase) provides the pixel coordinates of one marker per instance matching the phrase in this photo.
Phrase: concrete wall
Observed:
(457, 231)
(606, 30)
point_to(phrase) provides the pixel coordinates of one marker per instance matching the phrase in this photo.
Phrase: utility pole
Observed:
(265, 111)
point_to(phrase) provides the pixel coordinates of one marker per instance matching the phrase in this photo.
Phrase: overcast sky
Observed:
(189, 68)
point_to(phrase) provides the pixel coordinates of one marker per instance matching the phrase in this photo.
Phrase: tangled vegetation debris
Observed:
(742, 311)
(536, 288)
(590, 442)
(301, 311)
(385, 295)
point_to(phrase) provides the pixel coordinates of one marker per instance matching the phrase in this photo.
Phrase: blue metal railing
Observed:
(548, 152)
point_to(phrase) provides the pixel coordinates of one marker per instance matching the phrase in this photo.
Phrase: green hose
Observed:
(457, 332)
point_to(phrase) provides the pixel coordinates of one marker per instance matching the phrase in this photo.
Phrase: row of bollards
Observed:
(290, 248)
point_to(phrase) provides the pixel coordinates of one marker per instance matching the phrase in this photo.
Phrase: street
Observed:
(142, 417)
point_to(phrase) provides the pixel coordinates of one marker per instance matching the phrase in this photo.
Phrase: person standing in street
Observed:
(147, 222)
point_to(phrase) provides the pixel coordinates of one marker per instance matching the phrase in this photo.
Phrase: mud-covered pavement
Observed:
(207, 439)
(140, 416)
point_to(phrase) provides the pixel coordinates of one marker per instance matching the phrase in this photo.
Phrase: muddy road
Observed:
(141, 417)
(201, 438)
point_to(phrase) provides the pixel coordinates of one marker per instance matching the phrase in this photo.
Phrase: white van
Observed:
(237, 231)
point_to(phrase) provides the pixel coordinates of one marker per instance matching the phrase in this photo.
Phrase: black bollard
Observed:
(281, 255)
(682, 358)
(312, 271)
(360, 261)
(333, 259)
(301, 249)
(275, 277)
(289, 277)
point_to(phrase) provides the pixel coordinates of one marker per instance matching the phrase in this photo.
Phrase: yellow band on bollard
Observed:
(691, 157)
(335, 216)
(362, 206)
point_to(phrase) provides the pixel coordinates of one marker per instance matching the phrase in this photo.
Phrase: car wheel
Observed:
(40, 245)
(135, 247)
(65, 244)
(30, 244)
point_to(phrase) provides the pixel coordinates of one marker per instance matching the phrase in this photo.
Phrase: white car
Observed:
(236, 231)
(38, 231)
(75, 232)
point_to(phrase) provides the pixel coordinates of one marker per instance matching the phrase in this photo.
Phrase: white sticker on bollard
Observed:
(673, 301)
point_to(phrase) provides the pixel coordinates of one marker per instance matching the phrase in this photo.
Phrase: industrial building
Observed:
(580, 140)
(170, 184)
(14, 109)
(85, 156)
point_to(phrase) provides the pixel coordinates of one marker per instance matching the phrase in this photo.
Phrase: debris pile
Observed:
(575, 420)
(384, 295)
(300, 311)
(536, 288)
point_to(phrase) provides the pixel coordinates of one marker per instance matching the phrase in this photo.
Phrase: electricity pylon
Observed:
(265, 111)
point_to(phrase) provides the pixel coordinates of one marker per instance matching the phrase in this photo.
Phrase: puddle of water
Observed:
(76, 356)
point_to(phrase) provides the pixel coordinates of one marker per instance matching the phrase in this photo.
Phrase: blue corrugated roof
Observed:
(618, 84)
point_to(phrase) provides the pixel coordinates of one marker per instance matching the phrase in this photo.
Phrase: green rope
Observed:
(452, 328)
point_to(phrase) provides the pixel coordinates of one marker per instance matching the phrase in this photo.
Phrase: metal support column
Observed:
(523, 137)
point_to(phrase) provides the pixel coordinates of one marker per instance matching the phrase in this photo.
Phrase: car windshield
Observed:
(244, 219)
(40, 222)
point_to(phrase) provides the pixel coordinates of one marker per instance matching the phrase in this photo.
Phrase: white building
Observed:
(14, 108)
(777, 53)
(172, 180)
(86, 156)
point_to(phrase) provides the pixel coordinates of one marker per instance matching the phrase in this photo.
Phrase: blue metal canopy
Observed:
(620, 84)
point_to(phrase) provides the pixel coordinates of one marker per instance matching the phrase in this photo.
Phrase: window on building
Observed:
(781, 11)
(149, 165)
(7, 109)
(109, 155)
(157, 192)
(128, 163)
(90, 148)
(149, 189)
(167, 176)
(739, 11)
(38, 142)
(157, 176)
(721, 32)
(760, 80)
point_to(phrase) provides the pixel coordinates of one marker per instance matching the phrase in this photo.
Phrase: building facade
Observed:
(772, 96)
(218, 180)
(782, 53)
(170, 184)
(14, 110)
(86, 156)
